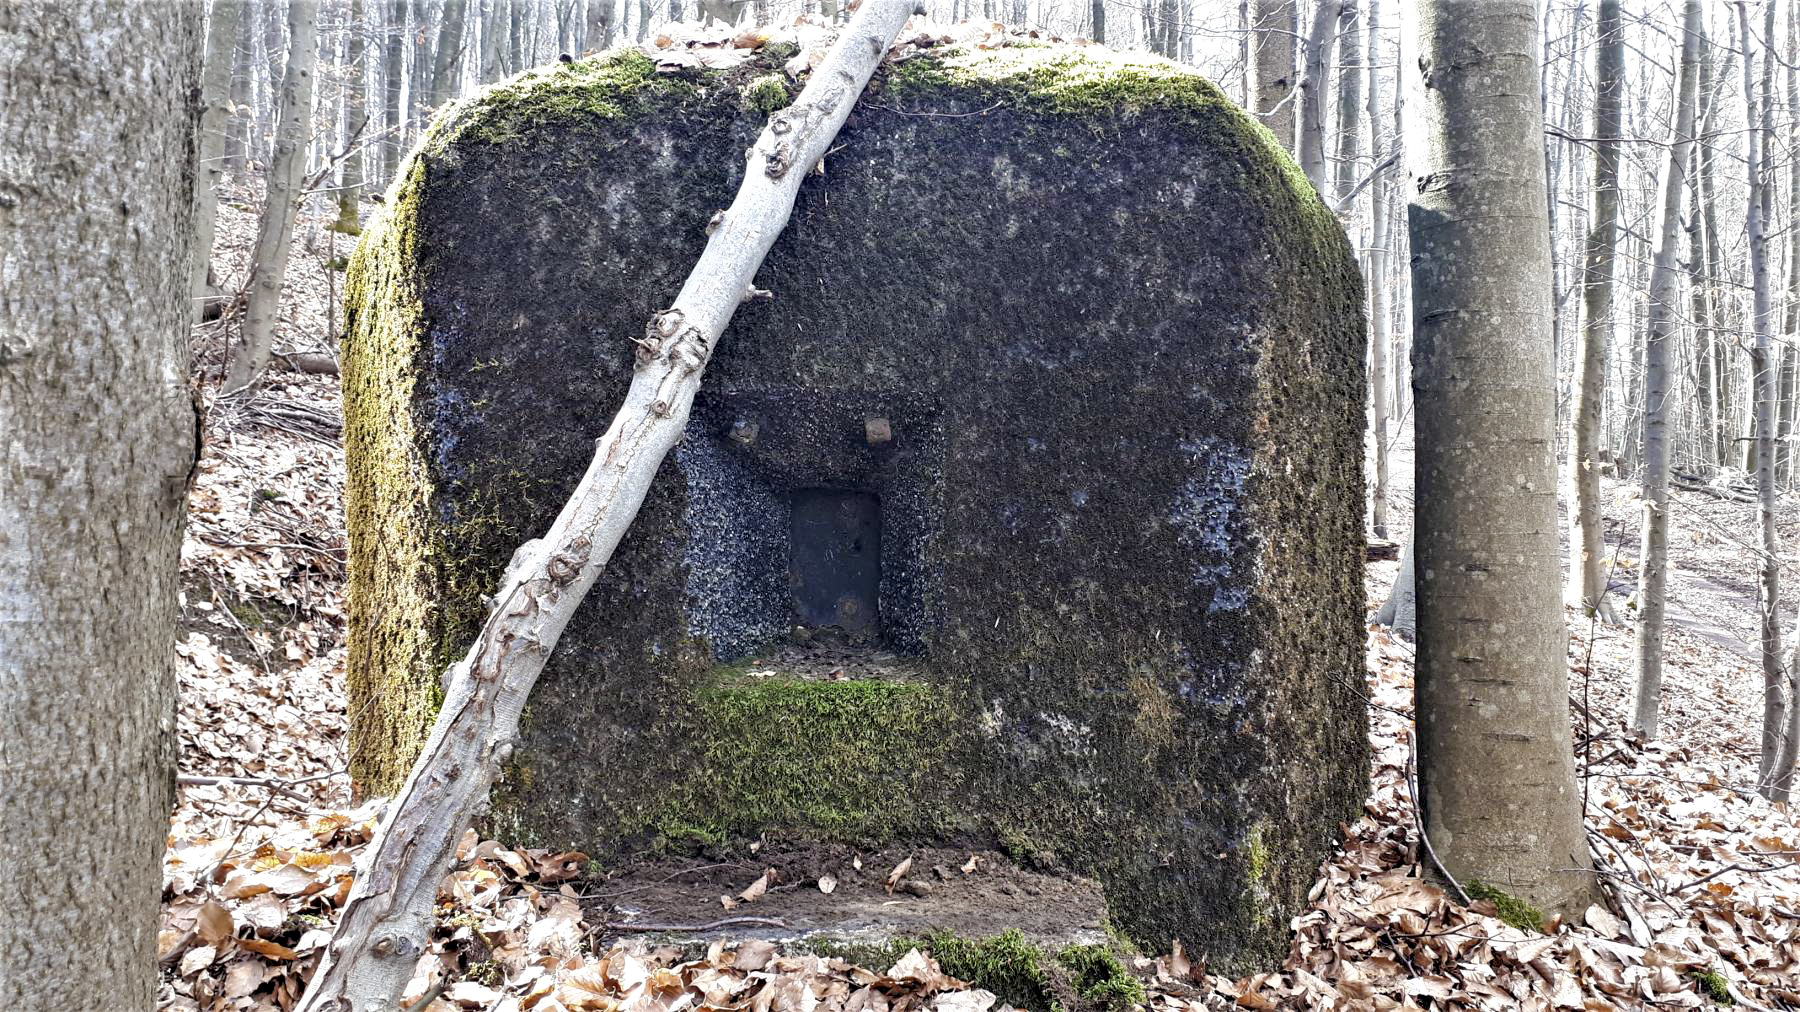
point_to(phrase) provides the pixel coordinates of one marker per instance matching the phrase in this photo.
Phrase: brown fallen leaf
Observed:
(827, 883)
(897, 874)
(971, 864)
(758, 887)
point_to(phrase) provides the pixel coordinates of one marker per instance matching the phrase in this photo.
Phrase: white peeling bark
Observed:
(286, 167)
(388, 915)
(1665, 289)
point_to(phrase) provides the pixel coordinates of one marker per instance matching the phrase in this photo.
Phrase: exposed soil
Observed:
(682, 897)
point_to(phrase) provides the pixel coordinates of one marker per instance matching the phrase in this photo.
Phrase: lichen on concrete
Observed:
(1118, 341)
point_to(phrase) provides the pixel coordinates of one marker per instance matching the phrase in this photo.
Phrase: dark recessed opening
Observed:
(834, 567)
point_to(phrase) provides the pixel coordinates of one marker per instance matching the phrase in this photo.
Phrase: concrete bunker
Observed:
(1024, 522)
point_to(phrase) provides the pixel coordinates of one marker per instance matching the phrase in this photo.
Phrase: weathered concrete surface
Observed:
(1118, 343)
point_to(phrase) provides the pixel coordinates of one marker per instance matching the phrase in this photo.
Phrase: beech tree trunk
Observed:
(1380, 236)
(1665, 316)
(1774, 725)
(387, 918)
(1587, 579)
(237, 128)
(1496, 762)
(1349, 99)
(96, 232)
(286, 166)
(1311, 141)
(448, 58)
(1274, 26)
(215, 96)
(356, 114)
(393, 79)
(600, 22)
(1782, 779)
(1400, 612)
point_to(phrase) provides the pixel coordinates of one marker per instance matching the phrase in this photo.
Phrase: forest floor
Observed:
(1704, 881)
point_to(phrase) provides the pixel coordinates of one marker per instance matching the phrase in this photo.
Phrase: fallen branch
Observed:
(387, 918)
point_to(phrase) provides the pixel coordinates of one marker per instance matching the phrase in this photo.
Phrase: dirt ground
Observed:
(840, 893)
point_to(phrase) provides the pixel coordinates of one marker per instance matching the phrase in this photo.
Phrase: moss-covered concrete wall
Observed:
(1119, 341)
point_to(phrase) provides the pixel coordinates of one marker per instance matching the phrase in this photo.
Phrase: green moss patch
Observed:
(1713, 985)
(847, 759)
(1080, 978)
(1513, 910)
(767, 94)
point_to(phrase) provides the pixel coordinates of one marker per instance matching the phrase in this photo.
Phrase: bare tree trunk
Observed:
(1349, 98)
(1791, 328)
(491, 34)
(1097, 17)
(1587, 580)
(286, 166)
(1784, 767)
(1380, 235)
(646, 8)
(387, 917)
(215, 94)
(1700, 288)
(1774, 726)
(600, 18)
(1723, 397)
(1312, 95)
(448, 59)
(393, 80)
(1496, 763)
(722, 10)
(237, 131)
(1274, 26)
(99, 442)
(1665, 295)
(1400, 612)
(356, 114)
(418, 83)
(516, 37)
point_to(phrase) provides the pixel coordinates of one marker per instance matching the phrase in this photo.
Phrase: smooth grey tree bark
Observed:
(1274, 25)
(387, 917)
(1400, 612)
(1774, 723)
(97, 439)
(1311, 141)
(1665, 322)
(448, 56)
(721, 10)
(356, 114)
(1782, 778)
(1274, 29)
(215, 98)
(275, 237)
(393, 80)
(1380, 238)
(1496, 762)
(1349, 100)
(237, 125)
(1586, 588)
(1097, 20)
(602, 18)
(1706, 411)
